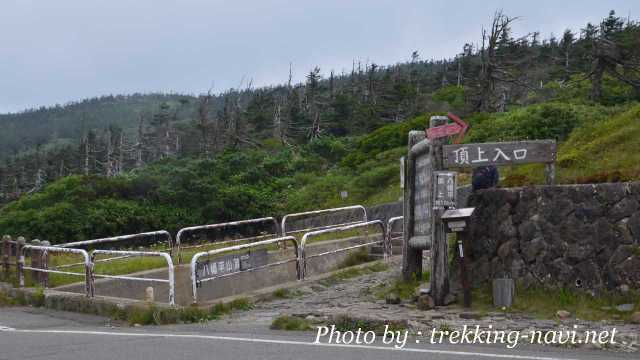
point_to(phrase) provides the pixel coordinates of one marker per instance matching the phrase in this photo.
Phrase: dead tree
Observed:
(500, 65)
(139, 146)
(203, 122)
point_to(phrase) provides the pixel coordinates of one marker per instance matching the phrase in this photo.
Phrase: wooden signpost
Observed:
(429, 190)
(503, 153)
(417, 204)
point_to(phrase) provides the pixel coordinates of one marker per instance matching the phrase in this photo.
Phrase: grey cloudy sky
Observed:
(64, 50)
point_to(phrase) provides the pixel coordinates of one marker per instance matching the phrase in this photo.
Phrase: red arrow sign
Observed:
(464, 126)
(457, 127)
(443, 131)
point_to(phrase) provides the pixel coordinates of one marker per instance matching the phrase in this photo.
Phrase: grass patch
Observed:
(543, 303)
(353, 272)
(5, 300)
(152, 315)
(290, 323)
(284, 293)
(356, 257)
(404, 289)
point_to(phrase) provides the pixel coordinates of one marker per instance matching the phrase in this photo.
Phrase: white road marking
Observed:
(6, 328)
(282, 342)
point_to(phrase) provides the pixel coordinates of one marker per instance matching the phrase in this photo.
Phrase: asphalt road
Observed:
(27, 333)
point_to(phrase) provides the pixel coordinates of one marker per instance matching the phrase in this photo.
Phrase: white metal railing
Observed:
(390, 232)
(44, 250)
(120, 238)
(171, 278)
(283, 225)
(194, 261)
(182, 232)
(365, 225)
(87, 244)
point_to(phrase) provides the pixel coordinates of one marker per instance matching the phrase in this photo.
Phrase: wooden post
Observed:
(44, 264)
(440, 249)
(6, 256)
(550, 173)
(411, 258)
(464, 277)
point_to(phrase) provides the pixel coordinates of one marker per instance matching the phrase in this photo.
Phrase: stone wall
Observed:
(585, 236)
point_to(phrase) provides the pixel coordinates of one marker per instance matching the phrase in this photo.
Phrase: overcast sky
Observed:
(65, 50)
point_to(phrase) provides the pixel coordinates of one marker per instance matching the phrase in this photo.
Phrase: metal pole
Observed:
(20, 257)
(35, 262)
(44, 262)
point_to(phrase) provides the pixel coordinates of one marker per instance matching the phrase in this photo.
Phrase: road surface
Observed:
(27, 333)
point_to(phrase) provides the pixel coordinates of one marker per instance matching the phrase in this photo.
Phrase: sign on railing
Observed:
(231, 263)
(204, 270)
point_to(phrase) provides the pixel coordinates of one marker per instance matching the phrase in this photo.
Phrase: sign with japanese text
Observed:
(444, 189)
(502, 153)
(232, 263)
(422, 192)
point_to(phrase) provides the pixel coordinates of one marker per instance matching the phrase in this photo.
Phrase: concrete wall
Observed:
(575, 235)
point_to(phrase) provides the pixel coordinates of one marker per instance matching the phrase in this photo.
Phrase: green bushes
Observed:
(382, 139)
(543, 121)
(452, 94)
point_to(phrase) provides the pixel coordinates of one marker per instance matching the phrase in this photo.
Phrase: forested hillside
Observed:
(143, 162)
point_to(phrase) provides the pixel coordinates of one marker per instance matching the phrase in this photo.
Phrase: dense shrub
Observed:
(543, 121)
(385, 138)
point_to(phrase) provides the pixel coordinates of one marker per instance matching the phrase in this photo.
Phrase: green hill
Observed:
(175, 193)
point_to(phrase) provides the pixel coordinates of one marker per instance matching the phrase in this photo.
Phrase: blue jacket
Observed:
(485, 177)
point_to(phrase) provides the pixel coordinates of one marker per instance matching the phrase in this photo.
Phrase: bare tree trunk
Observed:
(120, 166)
(331, 85)
(86, 155)
(203, 112)
(445, 82)
(596, 81)
(109, 162)
(139, 140)
(277, 122)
